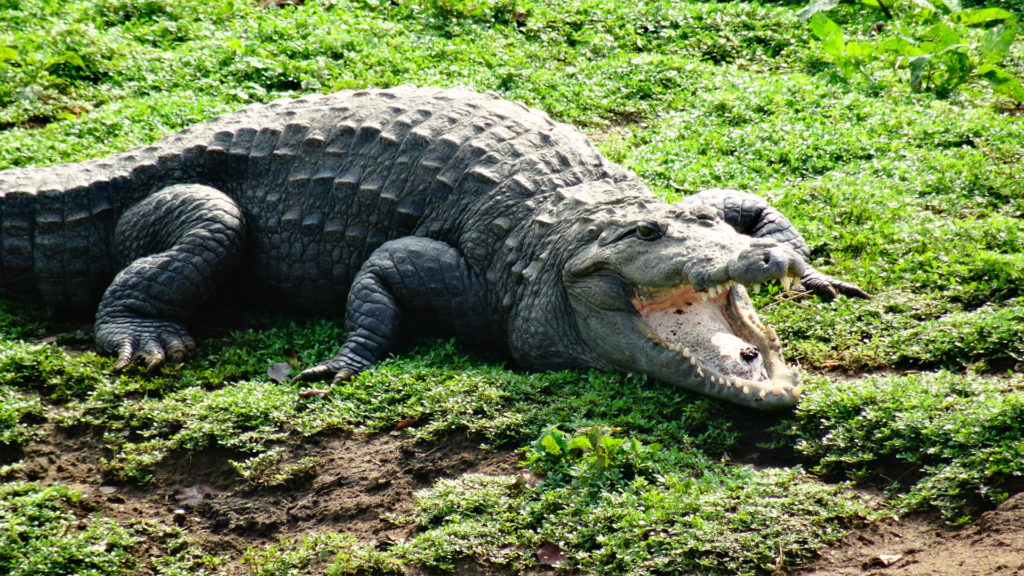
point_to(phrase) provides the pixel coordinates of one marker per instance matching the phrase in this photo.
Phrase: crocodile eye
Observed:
(648, 231)
(705, 214)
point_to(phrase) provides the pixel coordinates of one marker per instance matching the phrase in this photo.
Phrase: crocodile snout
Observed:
(765, 260)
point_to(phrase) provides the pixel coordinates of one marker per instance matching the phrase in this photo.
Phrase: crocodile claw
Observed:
(149, 343)
(827, 287)
(343, 375)
(324, 372)
(318, 373)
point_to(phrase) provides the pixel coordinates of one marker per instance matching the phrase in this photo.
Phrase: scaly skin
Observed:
(473, 214)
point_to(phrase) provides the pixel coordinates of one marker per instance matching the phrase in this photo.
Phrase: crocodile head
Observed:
(661, 290)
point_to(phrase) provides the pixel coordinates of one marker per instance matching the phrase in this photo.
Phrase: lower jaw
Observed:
(781, 390)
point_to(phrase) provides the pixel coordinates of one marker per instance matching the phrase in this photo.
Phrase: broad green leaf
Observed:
(581, 443)
(981, 16)
(1002, 82)
(552, 442)
(7, 53)
(859, 49)
(834, 46)
(871, 4)
(997, 42)
(900, 46)
(952, 5)
(924, 4)
(67, 58)
(814, 7)
(824, 28)
(551, 445)
(943, 34)
(830, 33)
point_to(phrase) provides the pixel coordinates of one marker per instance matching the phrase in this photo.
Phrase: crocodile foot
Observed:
(334, 369)
(144, 341)
(827, 287)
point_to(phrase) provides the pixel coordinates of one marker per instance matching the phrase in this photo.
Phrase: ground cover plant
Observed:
(906, 178)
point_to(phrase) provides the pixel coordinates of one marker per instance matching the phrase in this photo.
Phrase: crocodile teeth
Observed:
(756, 288)
(717, 290)
(786, 282)
(700, 372)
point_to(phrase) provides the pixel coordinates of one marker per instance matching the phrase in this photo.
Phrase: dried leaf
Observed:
(191, 496)
(311, 392)
(279, 371)
(528, 478)
(407, 423)
(889, 559)
(882, 560)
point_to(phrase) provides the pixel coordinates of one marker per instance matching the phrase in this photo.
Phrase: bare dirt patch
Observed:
(991, 546)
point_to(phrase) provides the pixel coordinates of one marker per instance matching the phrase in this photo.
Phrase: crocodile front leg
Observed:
(177, 246)
(751, 215)
(410, 276)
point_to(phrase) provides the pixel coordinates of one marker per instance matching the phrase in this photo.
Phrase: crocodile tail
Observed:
(17, 263)
(55, 243)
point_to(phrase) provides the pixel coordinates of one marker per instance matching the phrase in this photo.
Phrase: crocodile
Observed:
(460, 211)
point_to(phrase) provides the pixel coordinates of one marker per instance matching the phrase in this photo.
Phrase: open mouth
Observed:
(718, 333)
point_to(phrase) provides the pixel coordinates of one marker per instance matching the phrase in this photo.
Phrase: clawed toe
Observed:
(148, 343)
(827, 288)
(319, 373)
(329, 370)
(343, 375)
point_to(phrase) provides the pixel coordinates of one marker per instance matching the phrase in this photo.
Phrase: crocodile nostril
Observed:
(767, 257)
(749, 354)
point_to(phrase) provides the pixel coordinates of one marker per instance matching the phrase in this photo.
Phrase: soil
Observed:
(993, 545)
(361, 479)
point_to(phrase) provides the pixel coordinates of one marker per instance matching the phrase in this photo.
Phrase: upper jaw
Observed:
(710, 340)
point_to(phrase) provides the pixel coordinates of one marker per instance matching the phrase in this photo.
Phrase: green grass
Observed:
(947, 442)
(34, 542)
(616, 506)
(328, 553)
(917, 198)
(47, 531)
(20, 414)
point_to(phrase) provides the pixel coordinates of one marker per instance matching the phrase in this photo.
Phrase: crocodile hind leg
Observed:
(410, 276)
(176, 246)
(751, 215)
